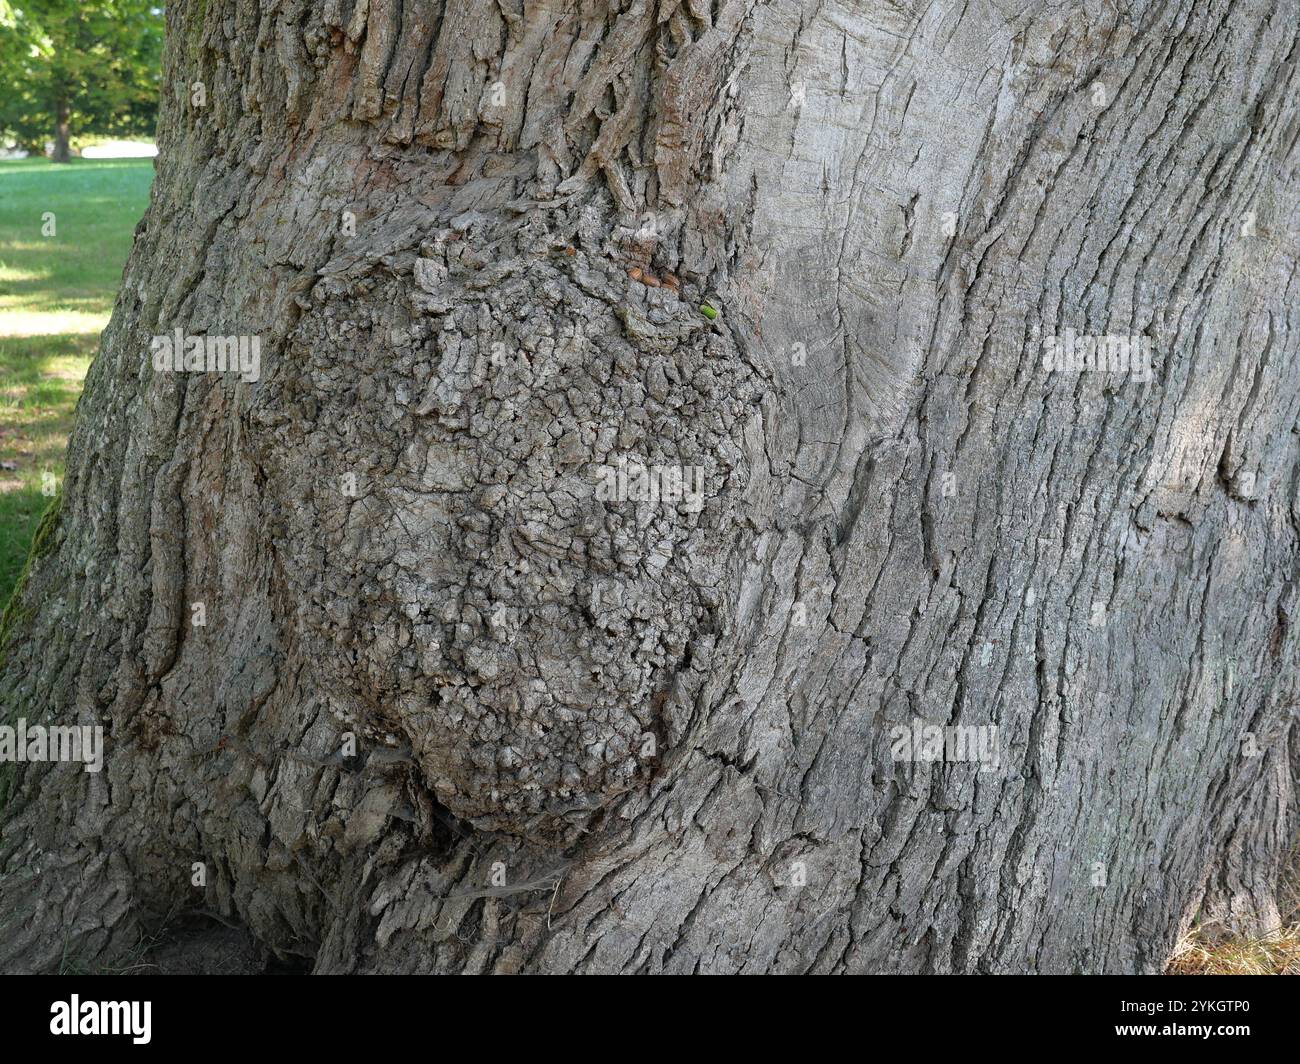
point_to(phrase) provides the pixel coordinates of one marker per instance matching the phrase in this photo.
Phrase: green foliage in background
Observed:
(73, 67)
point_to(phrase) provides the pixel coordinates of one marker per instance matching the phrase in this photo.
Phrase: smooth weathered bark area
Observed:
(610, 736)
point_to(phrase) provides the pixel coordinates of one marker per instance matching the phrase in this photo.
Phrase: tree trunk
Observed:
(62, 134)
(596, 733)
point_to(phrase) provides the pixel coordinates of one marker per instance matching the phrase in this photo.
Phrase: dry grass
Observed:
(1206, 950)
(1275, 954)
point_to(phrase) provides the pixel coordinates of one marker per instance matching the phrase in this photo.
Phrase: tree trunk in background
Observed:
(62, 136)
(598, 735)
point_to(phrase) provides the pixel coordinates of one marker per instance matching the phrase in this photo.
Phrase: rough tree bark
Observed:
(668, 730)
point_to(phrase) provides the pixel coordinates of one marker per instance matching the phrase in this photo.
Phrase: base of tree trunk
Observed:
(653, 538)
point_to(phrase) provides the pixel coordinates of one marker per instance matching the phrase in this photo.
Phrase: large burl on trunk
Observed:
(458, 706)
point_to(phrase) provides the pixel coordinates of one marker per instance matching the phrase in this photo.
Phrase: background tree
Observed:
(473, 240)
(78, 67)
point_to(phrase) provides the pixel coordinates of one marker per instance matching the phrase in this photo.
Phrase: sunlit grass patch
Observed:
(59, 277)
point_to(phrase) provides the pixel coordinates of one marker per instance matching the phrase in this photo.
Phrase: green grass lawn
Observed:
(56, 294)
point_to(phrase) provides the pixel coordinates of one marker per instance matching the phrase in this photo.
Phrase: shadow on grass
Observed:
(40, 381)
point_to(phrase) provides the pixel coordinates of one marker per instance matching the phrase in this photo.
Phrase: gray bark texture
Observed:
(591, 735)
